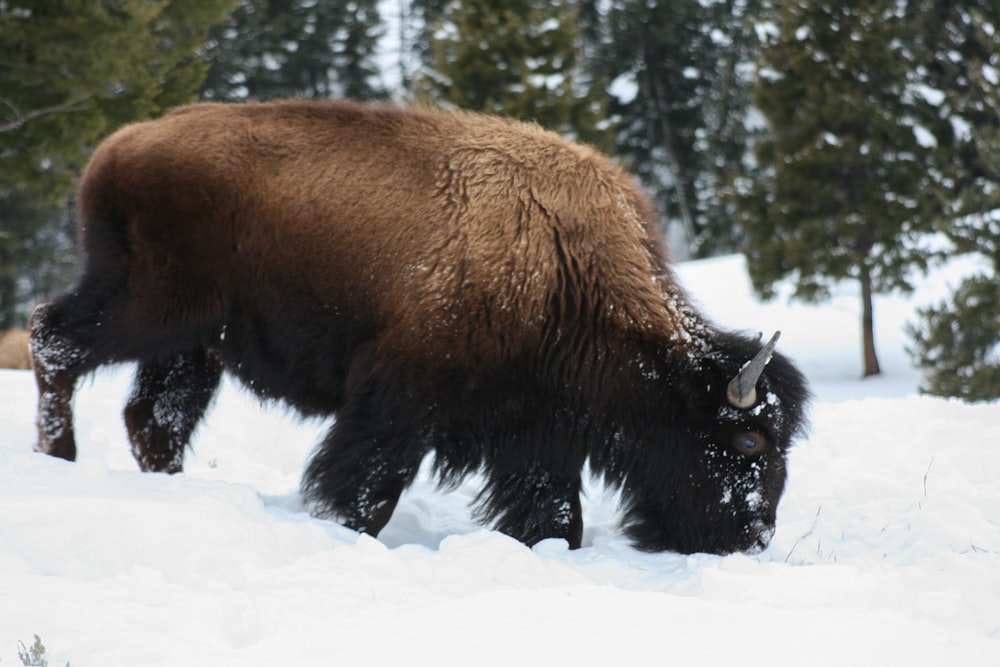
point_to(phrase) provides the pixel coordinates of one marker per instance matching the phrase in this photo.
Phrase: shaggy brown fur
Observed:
(14, 349)
(429, 215)
(441, 282)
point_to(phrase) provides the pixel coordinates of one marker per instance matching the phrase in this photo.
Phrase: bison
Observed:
(441, 283)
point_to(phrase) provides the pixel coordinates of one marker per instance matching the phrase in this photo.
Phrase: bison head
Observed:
(717, 458)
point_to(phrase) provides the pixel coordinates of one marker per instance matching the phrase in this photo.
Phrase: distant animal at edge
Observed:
(14, 349)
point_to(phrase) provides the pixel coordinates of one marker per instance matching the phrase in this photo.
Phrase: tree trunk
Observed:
(868, 325)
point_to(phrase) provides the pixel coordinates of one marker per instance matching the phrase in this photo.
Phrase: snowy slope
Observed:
(887, 549)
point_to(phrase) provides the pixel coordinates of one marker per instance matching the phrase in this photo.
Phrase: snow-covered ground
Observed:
(887, 549)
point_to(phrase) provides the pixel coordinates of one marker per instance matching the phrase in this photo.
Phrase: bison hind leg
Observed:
(168, 399)
(533, 505)
(59, 332)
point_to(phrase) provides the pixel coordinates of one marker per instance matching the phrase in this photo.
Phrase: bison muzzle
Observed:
(442, 283)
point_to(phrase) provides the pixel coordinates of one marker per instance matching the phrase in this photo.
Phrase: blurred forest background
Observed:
(825, 139)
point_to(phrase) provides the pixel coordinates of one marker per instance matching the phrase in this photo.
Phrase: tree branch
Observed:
(21, 119)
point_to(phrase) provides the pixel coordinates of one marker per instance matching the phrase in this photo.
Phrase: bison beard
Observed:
(442, 283)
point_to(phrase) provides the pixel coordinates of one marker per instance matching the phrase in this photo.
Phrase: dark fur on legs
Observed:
(356, 477)
(534, 505)
(168, 400)
(86, 328)
(58, 359)
(369, 457)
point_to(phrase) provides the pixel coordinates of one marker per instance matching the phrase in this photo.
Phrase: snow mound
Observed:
(887, 549)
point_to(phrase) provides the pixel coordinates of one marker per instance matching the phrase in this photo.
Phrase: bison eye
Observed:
(750, 443)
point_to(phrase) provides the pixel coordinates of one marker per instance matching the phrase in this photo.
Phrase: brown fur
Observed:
(439, 282)
(430, 208)
(14, 349)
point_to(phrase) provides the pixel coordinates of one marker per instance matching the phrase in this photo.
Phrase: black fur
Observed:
(656, 423)
(662, 431)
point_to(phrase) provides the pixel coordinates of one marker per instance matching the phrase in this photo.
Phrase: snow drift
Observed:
(887, 548)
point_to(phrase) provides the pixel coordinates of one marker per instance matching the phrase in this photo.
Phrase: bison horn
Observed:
(742, 391)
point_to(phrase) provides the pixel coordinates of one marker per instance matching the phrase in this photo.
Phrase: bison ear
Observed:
(742, 389)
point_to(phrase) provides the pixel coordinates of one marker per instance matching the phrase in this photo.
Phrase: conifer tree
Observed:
(71, 71)
(416, 20)
(957, 343)
(844, 191)
(517, 58)
(683, 130)
(36, 252)
(957, 46)
(307, 48)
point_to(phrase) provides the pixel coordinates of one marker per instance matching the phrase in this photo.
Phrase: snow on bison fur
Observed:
(440, 282)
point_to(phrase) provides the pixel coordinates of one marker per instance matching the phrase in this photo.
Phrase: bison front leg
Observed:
(168, 400)
(359, 471)
(534, 504)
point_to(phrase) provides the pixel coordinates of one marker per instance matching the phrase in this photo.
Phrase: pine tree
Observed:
(657, 43)
(517, 58)
(724, 145)
(844, 190)
(957, 46)
(957, 56)
(958, 342)
(307, 48)
(416, 20)
(71, 71)
(685, 66)
(36, 253)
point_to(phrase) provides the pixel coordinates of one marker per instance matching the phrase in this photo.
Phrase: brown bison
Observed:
(14, 349)
(443, 283)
